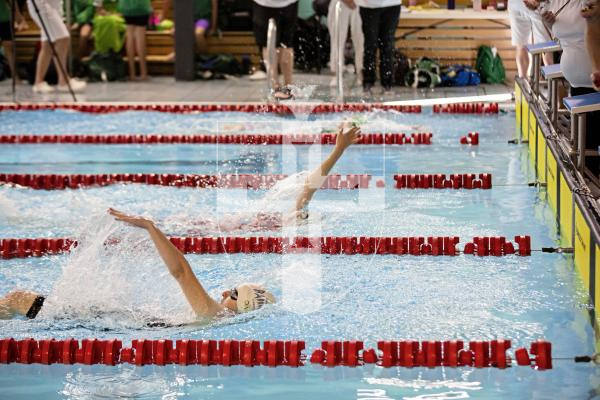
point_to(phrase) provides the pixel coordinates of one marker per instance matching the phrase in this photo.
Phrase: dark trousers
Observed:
(592, 125)
(379, 27)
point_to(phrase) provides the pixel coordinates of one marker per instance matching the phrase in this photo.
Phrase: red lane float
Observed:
(467, 108)
(472, 138)
(420, 138)
(225, 181)
(273, 353)
(415, 246)
(440, 181)
(182, 108)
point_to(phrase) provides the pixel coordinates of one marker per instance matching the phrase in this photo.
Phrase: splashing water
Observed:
(115, 274)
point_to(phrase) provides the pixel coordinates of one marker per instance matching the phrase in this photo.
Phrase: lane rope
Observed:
(273, 353)
(482, 246)
(244, 181)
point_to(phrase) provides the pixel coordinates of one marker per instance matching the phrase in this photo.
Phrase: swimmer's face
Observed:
(227, 301)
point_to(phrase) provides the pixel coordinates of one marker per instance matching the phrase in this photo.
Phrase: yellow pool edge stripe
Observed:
(573, 220)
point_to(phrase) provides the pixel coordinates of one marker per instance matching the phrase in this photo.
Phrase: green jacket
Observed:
(202, 9)
(4, 11)
(135, 8)
(83, 11)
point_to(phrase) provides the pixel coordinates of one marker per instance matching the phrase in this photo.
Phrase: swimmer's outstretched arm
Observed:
(178, 266)
(316, 177)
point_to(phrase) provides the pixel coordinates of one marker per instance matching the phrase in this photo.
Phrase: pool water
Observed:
(368, 298)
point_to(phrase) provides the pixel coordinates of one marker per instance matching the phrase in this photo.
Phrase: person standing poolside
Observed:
(568, 25)
(136, 14)
(243, 298)
(379, 21)
(6, 32)
(525, 23)
(350, 15)
(591, 13)
(285, 14)
(49, 14)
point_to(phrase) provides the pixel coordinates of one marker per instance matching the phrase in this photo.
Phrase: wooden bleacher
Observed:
(451, 41)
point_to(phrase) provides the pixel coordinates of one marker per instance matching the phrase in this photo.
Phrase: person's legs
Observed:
(358, 40)
(130, 49)
(522, 61)
(286, 63)
(520, 31)
(202, 26)
(85, 36)
(286, 27)
(370, 28)
(8, 53)
(335, 31)
(43, 62)
(388, 22)
(62, 50)
(140, 49)
(16, 303)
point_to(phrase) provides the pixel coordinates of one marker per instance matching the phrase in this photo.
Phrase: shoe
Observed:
(283, 93)
(76, 85)
(43, 88)
(387, 90)
(258, 75)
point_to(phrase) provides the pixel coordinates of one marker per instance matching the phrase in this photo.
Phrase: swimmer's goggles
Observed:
(233, 293)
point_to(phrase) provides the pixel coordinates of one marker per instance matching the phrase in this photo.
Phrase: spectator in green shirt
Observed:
(83, 14)
(206, 13)
(6, 32)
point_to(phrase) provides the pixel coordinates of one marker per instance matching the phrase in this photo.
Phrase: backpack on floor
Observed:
(460, 75)
(217, 66)
(106, 67)
(489, 65)
(401, 67)
(424, 74)
(311, 45)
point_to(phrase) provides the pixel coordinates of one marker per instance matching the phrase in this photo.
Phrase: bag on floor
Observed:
(311, 45)
(460, 75)
(424, 74)
(217, 66)
(106, 67)
(489, 65)
(109, 33)
(401, 67)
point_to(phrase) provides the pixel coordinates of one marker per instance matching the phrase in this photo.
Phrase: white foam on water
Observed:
(115, 274)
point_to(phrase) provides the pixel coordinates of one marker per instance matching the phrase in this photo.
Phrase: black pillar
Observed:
(184, 40)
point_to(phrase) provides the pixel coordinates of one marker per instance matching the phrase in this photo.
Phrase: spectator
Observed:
(206, 13)
(523, 23)
(350, 15)
(379, 21)
(83, 14)
(136, 14)
(6, 33)
(568, 25)
(285, 14)
(591, 12)
(47, 14)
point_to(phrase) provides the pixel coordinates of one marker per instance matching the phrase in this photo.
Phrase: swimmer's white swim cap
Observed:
(252, 296)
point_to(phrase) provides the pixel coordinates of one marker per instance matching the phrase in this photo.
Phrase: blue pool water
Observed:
(363, 297)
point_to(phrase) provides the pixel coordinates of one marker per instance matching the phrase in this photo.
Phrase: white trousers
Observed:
(348, 17)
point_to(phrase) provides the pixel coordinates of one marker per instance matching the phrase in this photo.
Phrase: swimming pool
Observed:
(365, 297)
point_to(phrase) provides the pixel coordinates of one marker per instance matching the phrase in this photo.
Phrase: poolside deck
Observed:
(165, 89)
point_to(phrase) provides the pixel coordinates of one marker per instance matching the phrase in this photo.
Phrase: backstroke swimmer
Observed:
(243, 298)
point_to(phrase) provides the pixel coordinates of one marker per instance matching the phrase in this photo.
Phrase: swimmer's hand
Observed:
(346, 137)
(132, 220)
